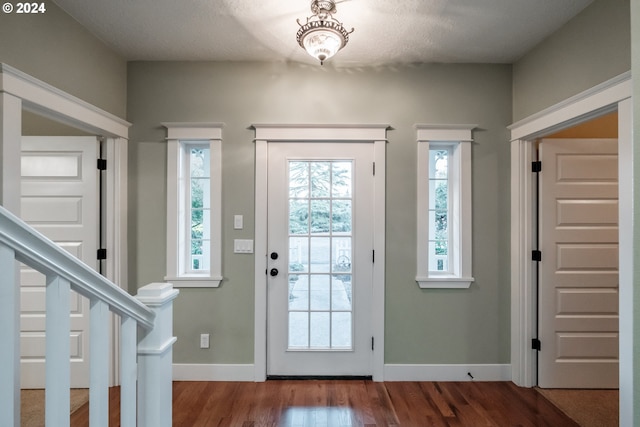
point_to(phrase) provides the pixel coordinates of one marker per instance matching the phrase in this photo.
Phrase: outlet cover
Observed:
(204, 340)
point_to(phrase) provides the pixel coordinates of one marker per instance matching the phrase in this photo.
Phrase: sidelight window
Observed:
(193, 205)
(444, 207)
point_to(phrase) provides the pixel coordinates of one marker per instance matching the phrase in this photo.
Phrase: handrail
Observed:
(43, 255)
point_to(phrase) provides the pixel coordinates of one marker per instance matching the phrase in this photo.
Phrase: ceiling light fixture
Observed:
(322, 36)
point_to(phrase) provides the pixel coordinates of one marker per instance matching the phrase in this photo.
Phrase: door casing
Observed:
(609, 96)
(356, 361)
(372, 134)
(25, 92)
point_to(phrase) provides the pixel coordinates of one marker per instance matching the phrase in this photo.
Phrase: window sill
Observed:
(195, 282)
(444, 282)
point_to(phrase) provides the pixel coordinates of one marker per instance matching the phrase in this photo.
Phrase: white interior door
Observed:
(320, 265)
(60, 199)
(578, 274)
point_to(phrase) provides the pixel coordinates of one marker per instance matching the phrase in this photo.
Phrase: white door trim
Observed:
(612, 95)
(55, 104)
(45, 100)
(375, 134)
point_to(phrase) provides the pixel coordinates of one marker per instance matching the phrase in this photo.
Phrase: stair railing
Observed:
(146, 339)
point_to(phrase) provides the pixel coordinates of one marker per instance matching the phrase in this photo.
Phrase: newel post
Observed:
(155, 357)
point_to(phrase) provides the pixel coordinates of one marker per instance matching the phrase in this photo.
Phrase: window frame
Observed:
(459, 139)
(180, 137)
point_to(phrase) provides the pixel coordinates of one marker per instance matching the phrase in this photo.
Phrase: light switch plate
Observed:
(241, 246)
(238, 222)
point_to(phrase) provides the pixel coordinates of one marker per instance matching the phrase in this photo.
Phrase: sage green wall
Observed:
(590, 49)
(442, 326)
(54, 48)
(635, 70)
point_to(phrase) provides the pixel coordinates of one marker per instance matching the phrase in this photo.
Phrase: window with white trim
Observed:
(444, 206)
(194, 204)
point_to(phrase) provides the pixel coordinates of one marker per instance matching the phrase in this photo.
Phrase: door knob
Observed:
(274, 255)
(273, 272)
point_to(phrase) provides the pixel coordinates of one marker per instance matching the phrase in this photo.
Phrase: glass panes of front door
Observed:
(320, 258)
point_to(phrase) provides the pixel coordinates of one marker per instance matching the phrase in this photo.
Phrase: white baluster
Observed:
(155, 358)
(10, 338)
(58, 366)
(99, 364)
(128, 371)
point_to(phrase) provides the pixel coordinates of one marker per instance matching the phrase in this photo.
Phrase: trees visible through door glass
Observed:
(320, 255)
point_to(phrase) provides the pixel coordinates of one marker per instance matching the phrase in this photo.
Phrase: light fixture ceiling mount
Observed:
(322, 36)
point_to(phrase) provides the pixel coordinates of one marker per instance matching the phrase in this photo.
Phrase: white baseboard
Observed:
(447, 372)
(213, 372)
(228, 372)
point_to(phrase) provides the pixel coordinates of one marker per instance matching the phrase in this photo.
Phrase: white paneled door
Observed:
(578, 274)
(60, 199)
(320, 260)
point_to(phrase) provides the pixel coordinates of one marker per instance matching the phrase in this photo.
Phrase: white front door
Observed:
(59, 199)
(320, 261)
(578, 274)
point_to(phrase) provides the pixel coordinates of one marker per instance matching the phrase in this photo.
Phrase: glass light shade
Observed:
(322, 39)
(322, 43)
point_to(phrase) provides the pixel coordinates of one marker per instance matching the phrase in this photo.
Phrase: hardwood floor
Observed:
(348, 403)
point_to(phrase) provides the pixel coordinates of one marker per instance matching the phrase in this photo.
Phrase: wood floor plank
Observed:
(382, 408)
(435, 397)
(357, 403)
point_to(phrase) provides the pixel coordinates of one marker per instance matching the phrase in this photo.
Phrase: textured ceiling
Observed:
(386, 31)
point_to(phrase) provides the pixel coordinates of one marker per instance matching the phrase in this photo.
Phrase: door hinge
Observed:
(102, 165)
(535, 344)
(536, 255)
(374, 168)
(102, 254)
(372, 342)
(536, 166)
(373, 255)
